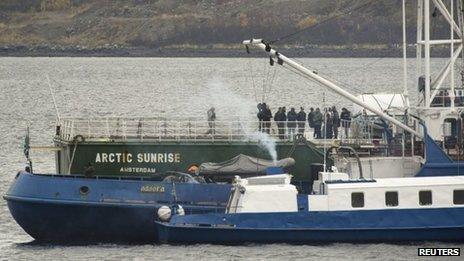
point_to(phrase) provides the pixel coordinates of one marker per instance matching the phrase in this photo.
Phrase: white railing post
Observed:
(108, 133)
(72, 130)
(124, 129)
(158, 130)
(195, 131)
(141, 130)
(88, 128)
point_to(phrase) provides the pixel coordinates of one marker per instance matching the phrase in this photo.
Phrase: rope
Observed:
(263, 86)
(252, 80)
(322, 22)
(271, 82)
(53, 98)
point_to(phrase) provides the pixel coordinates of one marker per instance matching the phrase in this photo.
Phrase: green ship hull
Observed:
(147, 158)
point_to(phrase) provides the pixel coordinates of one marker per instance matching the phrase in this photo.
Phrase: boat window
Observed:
(425, 197)
(458, 197)
(357, 199)
(391, 198)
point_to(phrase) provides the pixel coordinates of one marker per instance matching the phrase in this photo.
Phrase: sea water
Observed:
(173, 88)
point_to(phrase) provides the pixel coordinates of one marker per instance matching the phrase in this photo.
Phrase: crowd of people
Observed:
(325, 123)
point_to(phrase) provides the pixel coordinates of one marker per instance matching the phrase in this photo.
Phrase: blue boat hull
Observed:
(317, 227)
(52, 209)
(64, 223)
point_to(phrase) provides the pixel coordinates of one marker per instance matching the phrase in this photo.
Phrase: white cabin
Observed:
(335, 191)
(399, 193)
(263, 194)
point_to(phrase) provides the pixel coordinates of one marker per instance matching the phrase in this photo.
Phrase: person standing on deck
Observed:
(336, 122)
(260, 115)
(284, 120)
(345, 117)
(328, 126)
(267, 116)
(311, 120)
(279, 118)
(291, 122)
(211, 118)
(317, 123)
(301, 117)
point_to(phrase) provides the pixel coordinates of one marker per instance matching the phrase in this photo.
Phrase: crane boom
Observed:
(330, 85)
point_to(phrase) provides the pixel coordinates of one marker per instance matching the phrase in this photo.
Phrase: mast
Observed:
(438, 105)
(434, 85)
(427, 52)
(460, 13)
(452, 92)
(281, 59)
(405, 61)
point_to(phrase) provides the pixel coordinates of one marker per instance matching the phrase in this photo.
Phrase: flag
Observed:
(27, 144)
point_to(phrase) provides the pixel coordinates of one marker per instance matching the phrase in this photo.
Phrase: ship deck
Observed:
(191, 130)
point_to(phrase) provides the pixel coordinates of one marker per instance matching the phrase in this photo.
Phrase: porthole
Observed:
(84, 190)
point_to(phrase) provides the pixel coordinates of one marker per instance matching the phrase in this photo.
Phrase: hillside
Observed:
(105, 25)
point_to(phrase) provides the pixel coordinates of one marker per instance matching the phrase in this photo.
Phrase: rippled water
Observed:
(172, 87)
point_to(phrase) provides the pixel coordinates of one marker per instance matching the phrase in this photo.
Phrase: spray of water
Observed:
(231, 106)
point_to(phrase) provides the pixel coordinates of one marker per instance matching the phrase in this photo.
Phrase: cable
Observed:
(272, 80)
(321, 22)
(58, 118)
(252, 80)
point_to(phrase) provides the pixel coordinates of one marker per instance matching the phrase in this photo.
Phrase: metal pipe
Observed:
(452, 94)
(443, 41)
(361, 175)
(314, 76)
(420, 22)
(441, 6)
(441, 78)
(405, 61)
(427, 52)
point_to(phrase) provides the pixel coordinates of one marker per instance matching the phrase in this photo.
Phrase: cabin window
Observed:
(391, 198)
(425, 197)
(357, 199)
(458, 197)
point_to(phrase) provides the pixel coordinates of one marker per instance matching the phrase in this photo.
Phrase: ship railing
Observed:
(159, 129)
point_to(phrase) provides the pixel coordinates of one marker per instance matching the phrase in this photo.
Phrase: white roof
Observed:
(394, 103)
(280, 179)
(402, 182)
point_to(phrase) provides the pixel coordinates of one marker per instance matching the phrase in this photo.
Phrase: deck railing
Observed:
(161, 129)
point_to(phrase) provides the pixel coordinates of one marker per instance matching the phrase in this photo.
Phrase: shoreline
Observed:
(309, 52)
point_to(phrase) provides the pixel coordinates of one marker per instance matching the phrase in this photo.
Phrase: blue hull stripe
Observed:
(352, 226)
(238, 236)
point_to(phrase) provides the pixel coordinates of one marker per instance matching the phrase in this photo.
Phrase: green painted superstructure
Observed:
(111, 158)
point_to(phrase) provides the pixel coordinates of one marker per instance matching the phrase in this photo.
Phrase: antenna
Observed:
(325, 131)
(58, 119)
